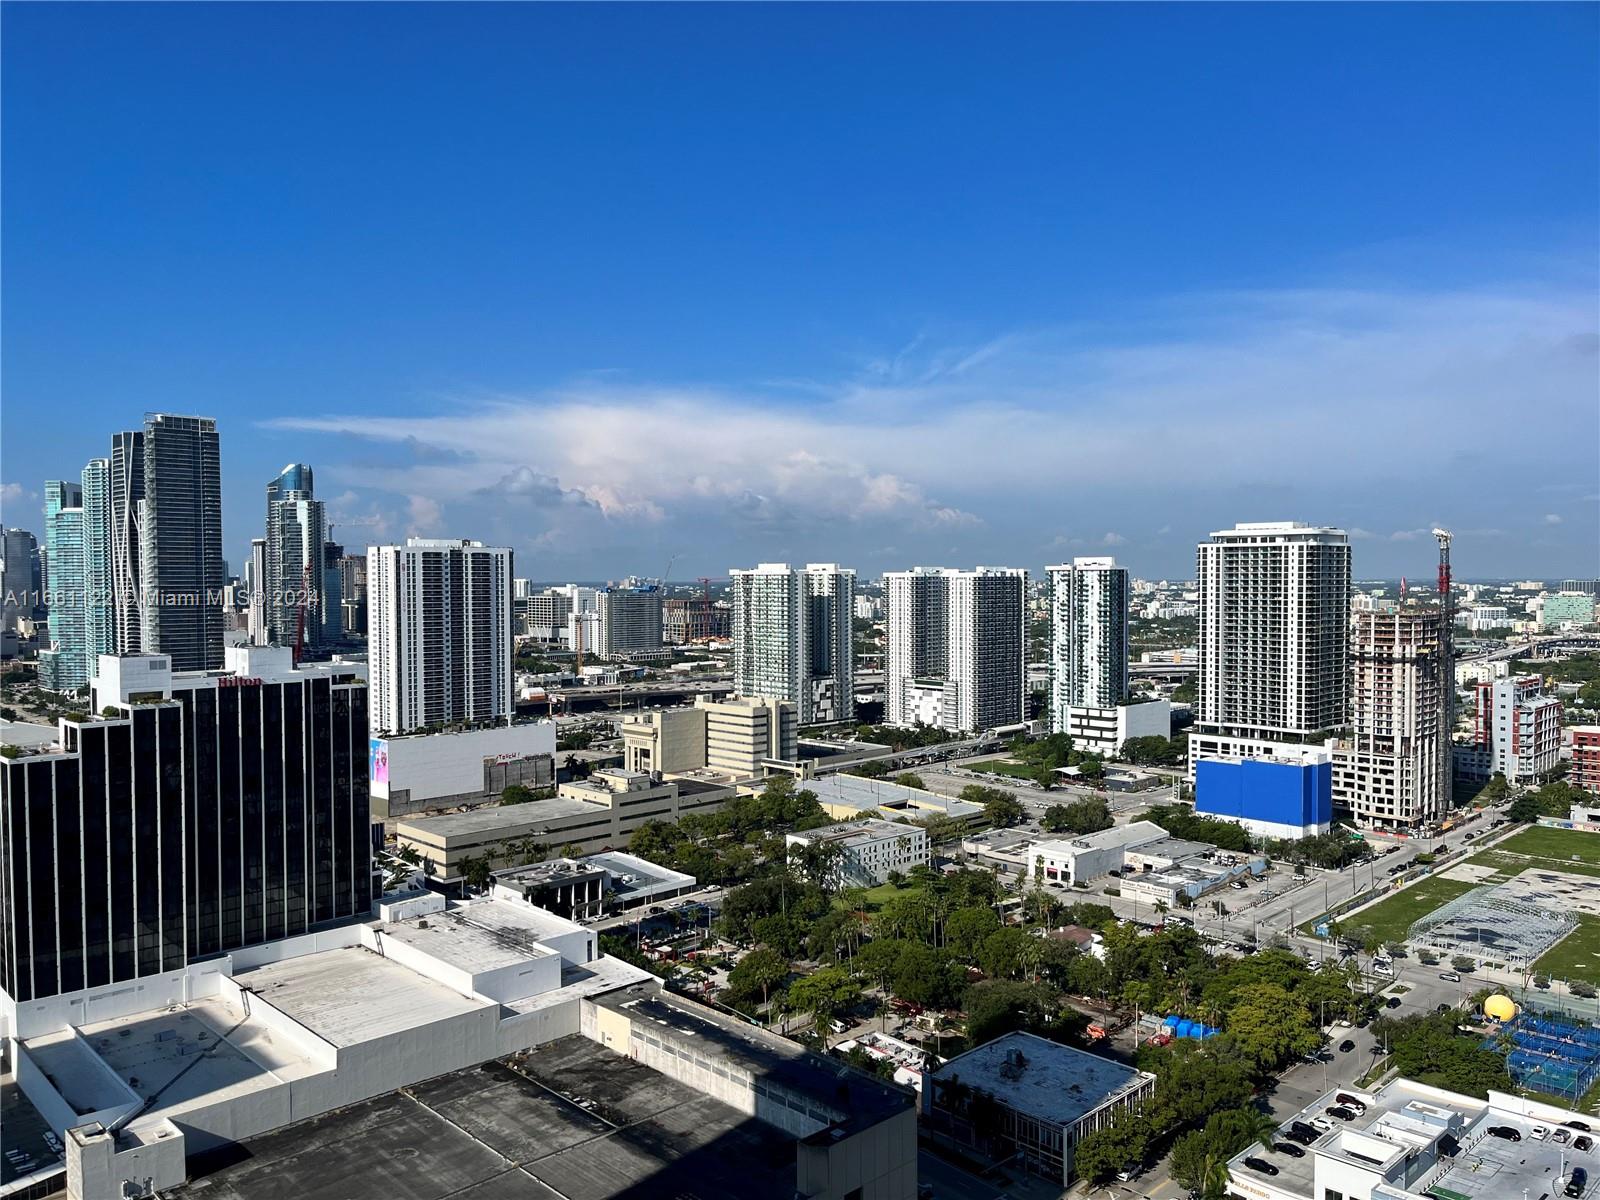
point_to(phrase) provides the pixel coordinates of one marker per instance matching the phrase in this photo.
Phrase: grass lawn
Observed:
(1576, 956)
(877, 895)
(1390, 919)
(1556, 844)
(1004, 766)
(1510, 865)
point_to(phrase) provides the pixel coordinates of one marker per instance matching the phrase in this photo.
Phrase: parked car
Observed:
(1392, 1002)
(1305, 1139)
(1583, 1125)
(1505, 1132)
(1266, 1168)
(1340, 1111)
(1450, 976)
(1304, 1130)
(1583, 1143)
(1540, 1132)
(1349, 1101)
(1323, 1124)
(1576, 1183)
(1346, 1046)
(1289, 1148)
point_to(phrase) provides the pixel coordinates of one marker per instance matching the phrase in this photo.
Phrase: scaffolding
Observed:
(1491, 926)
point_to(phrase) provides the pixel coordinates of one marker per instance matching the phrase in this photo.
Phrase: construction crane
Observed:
(705, 582)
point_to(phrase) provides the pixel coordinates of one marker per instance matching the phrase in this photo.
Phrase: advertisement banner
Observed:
(378, 760)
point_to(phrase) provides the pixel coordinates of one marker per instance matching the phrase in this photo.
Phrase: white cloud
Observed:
(13, 493)
(424, 515)
(1274, 395)
(1552, 518)
(1113, 539)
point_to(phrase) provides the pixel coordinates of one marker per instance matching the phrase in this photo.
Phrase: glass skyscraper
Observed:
(64, 666)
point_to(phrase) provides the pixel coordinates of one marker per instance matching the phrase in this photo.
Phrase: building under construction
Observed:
(697, 620)
(1392, 771)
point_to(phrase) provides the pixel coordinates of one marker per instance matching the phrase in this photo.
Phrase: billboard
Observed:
(378, 760)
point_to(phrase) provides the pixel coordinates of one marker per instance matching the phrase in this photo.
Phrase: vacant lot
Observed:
(1556, 845)
(1576, 956)
(1390, 919)
(1507, 866)
(1004, 766)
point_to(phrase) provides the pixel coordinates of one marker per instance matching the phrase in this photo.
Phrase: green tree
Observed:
(911, 779)
(1496, 790)
(760, 970)
(1003, 953)
(1119, 1143)
(966, 928)
(1270, 1026)
(824, 994)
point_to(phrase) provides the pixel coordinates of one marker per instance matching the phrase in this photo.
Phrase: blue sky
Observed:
(881, 285)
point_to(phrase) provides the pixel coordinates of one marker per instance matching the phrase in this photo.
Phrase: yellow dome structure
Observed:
(1499, 1008)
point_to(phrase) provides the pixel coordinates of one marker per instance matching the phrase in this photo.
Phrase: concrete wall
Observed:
(98, 1165)
(41, 1093)
(430, 766)
(880, 1161)
(38, 1017)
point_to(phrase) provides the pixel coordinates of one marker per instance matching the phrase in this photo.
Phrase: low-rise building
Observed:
(1154, 867)
(865, 852)
(1068, 861)
(1585, 771)
(1408, 1140)
(430, 772)
(1104, 730)
(1023, 1097)
(592, 814)
(588, 887)
(846, 796)
(740, 738)
(1516, 732)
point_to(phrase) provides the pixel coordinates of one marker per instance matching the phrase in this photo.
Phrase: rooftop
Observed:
(571, 1119)
(849, 833)
(1135, 833)
(497, 819)
(353, 995)
(1056, 1084)
(861, 793)
(482, 936)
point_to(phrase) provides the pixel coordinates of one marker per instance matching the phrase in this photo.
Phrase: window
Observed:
(1330, 1194)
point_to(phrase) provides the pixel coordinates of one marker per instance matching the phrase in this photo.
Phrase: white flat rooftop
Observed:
(353, 995)
(483, 936)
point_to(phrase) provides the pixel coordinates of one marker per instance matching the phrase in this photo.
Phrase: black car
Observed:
(1301, 1129)
(1583, 1142)
(1305, 1139)
(1346, 1046)
(1578, 1125)
(1392, 1002)
(1341, 1112)
(1575, 1185)
(1266, 1168)
(1289, 1148)
(1504, 1131)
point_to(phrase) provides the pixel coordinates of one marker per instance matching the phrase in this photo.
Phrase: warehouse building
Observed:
(1023, 1096)
(430, 772)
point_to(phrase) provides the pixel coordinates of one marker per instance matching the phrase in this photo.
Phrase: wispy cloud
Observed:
(1278, 396)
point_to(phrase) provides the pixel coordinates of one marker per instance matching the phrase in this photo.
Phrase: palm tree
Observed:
(1263, 1129)
(1214, 1178)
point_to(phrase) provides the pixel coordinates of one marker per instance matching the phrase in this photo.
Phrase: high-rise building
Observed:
(792, 637)
(100, 628)
(1089, 659)
(545, 614)
(956, 656)
(332, 592)
(1589, 587)
(1393, 769)
(296, 599)
(1088, 634)
(439, 640)
(684, 621)
(181, 568)
(627, 621)
(1565, 609)
(213, 812)
(19, 559)
(353, 594)
(64, 667)
(127, 514)
(255, 590)
(1274, 684)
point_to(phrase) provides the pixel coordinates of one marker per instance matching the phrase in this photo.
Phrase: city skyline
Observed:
(1003, 342)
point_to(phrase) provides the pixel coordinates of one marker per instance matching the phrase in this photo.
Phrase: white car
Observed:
(1322, 1123)
(1540, 1132)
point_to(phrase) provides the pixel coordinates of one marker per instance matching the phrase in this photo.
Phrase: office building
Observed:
(1516, 732)
(586, 815)
(863, 852)
(214, 811)
(1585, 742)
(439, 643)
(430, 772)
(181, 569)
(1089, 659)
(1406, 1140)
(19, 577)
(738, 738)
(1566, 610)
(297, 539)
(627, 623)
(332, 593)
(545, 614)
(1029, 1101)
(255, 590)
(1589, 587)
(792, 638)
(353, 595)
(1274, 667)
(957, 648)
(1393, 769)
(64, 667)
